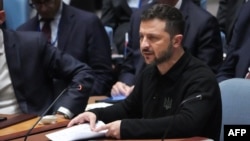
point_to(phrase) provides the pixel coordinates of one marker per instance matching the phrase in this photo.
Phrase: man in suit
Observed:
(116, 14)
(227, 14)
(197, 2)
(78, 33)
(87, 5)
(202, 39)
(28, 65)
(237, 62)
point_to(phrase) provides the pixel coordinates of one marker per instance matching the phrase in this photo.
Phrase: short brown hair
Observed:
(171, 15)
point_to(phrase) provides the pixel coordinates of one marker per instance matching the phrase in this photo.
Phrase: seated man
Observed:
(202, 39)
(116, 15)
(227, 14)
(237, 62)
(176, 95)
(28, 65)
(79, 33)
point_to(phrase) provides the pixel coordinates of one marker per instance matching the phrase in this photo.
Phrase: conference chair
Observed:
(17, 12)
(235, 95)
(109, 32)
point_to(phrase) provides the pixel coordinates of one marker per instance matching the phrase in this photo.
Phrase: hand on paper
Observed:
(113, 129)
(84, 117)
(121, 88)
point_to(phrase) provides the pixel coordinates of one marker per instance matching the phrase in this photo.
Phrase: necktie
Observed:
(46, 29)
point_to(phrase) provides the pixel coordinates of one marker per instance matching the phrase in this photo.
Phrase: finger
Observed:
(92, 124)
(124, 90)
(114, 91)
(101, 128)
(71, 123)
(78, 119)
(129, 90)
(115, 88)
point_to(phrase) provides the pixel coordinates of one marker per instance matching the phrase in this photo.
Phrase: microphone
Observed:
(191, 99)
(79, 88)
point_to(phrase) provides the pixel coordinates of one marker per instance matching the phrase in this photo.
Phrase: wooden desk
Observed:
(92, 99)
(17, 131)
(20, 129)
(41, 137)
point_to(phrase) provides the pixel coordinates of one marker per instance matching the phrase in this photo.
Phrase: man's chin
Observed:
(148, 61)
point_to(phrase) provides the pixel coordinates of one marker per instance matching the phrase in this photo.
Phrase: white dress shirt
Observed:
(54, 24)
(8, 101)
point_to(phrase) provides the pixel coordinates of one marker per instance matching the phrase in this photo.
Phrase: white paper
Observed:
(81, 131)
(97, 105)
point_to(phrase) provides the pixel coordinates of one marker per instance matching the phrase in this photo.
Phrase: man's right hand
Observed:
(82, 118)
(120, 88)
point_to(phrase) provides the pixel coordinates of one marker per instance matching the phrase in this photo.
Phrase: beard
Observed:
(164, 56)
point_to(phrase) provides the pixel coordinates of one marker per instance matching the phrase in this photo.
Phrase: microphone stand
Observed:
(45, 112)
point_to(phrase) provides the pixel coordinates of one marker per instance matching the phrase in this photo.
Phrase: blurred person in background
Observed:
(78, 33)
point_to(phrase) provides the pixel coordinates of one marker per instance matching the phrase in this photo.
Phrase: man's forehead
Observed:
(157, 23)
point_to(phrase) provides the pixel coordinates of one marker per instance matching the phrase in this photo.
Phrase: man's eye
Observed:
(141, 37)
(152, 38)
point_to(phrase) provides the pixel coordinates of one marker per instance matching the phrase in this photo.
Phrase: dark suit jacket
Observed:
(116, 14)
(227, 14)
(82, 35)
(201, 38)
(88, 5)
(33, 65)
(197, 2)
(237, 61)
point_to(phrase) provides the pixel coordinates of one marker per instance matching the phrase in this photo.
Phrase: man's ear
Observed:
(2, 17)
(177, 40)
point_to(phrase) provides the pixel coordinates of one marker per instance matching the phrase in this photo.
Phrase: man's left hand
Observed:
(113, 129)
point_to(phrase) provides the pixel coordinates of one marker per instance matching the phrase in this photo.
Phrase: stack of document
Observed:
(77, 132)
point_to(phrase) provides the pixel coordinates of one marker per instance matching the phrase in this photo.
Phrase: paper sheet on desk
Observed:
(97, 105)
(77, 132)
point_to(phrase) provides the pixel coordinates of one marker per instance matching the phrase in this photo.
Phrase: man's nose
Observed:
(144, 42)
(42, 7)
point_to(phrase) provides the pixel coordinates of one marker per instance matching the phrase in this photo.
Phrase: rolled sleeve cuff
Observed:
(66, 112)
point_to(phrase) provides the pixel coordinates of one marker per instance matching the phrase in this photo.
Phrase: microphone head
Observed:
(80, 87)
